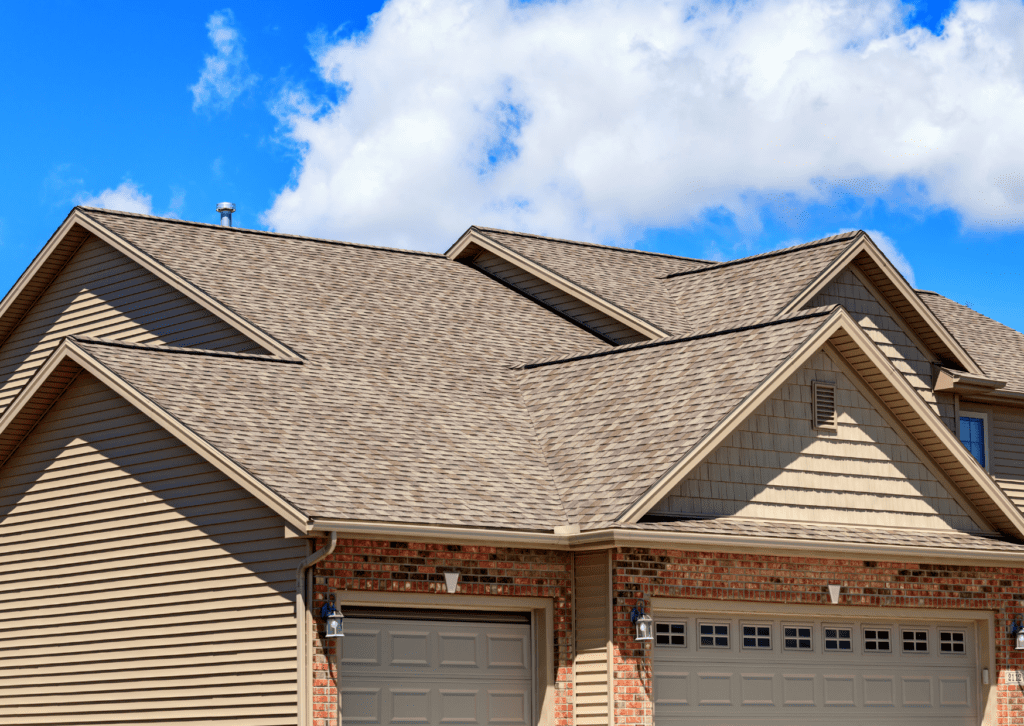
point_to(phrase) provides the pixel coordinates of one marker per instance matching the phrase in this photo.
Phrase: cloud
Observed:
(896, 257)
(226, 73)
(127, 197)
(596, 119)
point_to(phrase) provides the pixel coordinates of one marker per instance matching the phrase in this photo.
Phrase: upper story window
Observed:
(972, 435)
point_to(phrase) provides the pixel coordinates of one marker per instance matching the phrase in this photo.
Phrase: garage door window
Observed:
(670, 634)
(797, 637)
(915, 641)
(757, 637)
(838, 639)
(877, 641)
(714, 635)
(951, 641)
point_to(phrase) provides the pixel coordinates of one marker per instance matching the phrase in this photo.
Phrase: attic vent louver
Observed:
(824, 395)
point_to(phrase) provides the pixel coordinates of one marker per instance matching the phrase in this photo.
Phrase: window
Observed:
(838, 639)
(670, 634)
(951, 641)
(796, 637)
(972, 436)
(824, 403)
(758, 637)
(877, 641)
(915, 641)
(714, 635)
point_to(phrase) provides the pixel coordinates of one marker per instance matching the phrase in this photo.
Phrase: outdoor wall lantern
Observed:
(1017, 630)
(644, 624)
(335, 620)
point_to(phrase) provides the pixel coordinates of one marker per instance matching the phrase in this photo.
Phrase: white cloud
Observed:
(896, 257)
(127, 197)
(226, 74)
(598, 118)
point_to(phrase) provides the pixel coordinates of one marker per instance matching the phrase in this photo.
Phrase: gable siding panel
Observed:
(101, 293)
(776, 466)
(137, 583)
(848, 290)
(556, 298)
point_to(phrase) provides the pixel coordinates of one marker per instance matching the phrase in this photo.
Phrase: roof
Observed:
(407, 388)
(999, 350)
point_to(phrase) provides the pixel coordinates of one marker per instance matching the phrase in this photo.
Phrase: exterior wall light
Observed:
(335, 620)
(644, 623)
(1017, 630)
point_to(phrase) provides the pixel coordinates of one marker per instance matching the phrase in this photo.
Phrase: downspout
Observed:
(305, 695)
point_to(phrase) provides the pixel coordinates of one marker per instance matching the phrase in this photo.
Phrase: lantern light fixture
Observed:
(1017, 631)
(644, 623)
(335, 620)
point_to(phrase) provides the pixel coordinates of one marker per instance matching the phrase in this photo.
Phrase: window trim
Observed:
(983, 415)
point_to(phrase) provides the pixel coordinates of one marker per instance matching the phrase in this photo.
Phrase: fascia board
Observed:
(682, 541)
(958, 381)
(69, 350)
(474, 236)
(728, 424)
(184, 287)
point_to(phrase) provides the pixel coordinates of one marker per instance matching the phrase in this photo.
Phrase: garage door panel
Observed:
(873, 674)
(409, 672)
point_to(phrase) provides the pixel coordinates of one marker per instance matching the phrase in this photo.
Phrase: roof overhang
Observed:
(899, 294)
(965, 383)
(76, 229)
(474, 236)
(64, 365)
(893, 390)
(610, 537)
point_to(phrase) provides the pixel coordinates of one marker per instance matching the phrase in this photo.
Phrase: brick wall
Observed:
(417, 567)
(794, 580)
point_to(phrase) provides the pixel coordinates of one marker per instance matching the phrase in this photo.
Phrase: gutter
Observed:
(608, 537)
(304, 680)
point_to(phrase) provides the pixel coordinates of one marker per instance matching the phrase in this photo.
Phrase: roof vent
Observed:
(225, 209)
(824, 395)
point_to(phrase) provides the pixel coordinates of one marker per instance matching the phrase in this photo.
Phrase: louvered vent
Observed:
(824, 405)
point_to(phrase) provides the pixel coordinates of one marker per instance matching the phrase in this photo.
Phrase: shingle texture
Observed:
(429, 393)
(999, 350)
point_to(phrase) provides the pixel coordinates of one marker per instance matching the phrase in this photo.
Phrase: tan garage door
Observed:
(772, 671)
(406, 668)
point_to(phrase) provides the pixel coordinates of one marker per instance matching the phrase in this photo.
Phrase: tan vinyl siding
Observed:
(899, 347)
(137, 583)
(1006, 449)
(776, 466)
(559, 300)
(593, 635)
(103, 294)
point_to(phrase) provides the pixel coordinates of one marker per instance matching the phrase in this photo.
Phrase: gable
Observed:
(865, 472)
(101, 293)
(164, 561)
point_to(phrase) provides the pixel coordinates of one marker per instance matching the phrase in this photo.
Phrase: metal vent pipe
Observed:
(225, 209)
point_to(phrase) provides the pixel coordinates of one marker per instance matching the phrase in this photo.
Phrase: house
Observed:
(809, 474)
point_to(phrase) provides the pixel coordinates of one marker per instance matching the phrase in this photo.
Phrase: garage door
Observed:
(732, 670)
(407, 668)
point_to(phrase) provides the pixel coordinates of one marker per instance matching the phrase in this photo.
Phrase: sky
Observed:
(704, 129)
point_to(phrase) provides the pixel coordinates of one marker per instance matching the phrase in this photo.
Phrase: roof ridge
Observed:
(817, 313)
(824, 241)
(592, 244)
(179, 350)
(244, 230)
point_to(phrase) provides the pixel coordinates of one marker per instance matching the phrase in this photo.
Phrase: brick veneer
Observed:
(770, 579)
(417, 567)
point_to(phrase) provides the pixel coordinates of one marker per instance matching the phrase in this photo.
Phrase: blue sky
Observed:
(707, 130)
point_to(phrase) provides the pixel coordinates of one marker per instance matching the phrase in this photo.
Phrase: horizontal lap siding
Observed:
(137, 583)
(556, 298)
(1006, 448)
(103, 294)
(593, 635)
